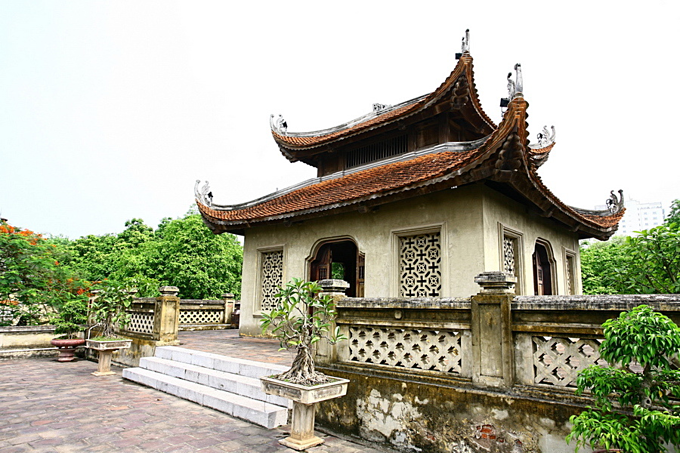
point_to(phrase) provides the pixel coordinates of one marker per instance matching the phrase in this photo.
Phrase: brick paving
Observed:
(47, 406)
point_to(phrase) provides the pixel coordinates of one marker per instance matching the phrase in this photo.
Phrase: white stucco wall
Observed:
(468, 219)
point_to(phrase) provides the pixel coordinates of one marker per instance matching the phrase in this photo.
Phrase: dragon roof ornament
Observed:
(614, 203)
(204, 195)
(465, 46)
(545, 137)
(515, 87)
(280, 126)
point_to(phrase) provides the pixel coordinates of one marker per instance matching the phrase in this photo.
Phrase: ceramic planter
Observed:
(304, 399)
(106, 349)
(67, 348)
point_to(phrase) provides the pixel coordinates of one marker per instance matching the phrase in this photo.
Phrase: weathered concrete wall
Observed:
(26, 341)
(438, 416)
(467, 217)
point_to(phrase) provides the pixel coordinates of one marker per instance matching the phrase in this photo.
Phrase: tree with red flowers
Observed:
(32, 282)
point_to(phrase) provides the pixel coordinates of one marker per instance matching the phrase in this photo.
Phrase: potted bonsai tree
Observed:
(300, 319)
(68, 321)
(635, 397)
(108, 310)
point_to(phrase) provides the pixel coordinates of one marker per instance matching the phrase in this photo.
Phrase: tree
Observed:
(634, 396)
(299, 320)
(33, 281)
(601, 264)
(648, 263)
(201, 264)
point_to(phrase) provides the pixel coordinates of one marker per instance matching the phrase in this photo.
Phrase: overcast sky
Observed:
(111, 110)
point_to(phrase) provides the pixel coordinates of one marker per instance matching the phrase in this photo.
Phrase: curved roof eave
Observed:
(294, 141)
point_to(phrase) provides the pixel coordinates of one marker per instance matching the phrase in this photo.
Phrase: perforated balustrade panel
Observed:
(509, 255)
(420, 265)
(436, 350)
(201, 317)
(140, 322)
(557, 361)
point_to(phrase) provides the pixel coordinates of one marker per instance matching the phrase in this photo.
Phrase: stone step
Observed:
(259, 412)
(220, 380)
(243, 367)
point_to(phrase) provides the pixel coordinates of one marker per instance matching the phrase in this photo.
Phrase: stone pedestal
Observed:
(106, 350)
(304, 401)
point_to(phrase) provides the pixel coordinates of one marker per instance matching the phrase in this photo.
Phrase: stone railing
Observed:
(206, 314)
(492, 339)
(492, 372)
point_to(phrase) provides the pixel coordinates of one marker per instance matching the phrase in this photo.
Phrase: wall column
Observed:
(166, 316)
(491, 325)
(326, 353)
(228, 299)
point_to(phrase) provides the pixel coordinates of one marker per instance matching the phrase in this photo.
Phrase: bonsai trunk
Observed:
(302, 371)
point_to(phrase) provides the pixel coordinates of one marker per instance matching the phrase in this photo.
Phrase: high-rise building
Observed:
(640, 216)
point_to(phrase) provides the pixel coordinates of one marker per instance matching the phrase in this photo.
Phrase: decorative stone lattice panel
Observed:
(570, 275)
(420, 265)
(557, 361)
(509, 255)
(437, 350)
(272, 278)
(140, 322)
(201, 317)
(6, 316)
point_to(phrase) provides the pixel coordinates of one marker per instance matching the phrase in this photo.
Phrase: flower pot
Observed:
(106, 349)
(304, 399)
(67, 348)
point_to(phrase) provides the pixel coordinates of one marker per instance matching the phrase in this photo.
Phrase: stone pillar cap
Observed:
(332, 285)
(496, 282)
(169, 290)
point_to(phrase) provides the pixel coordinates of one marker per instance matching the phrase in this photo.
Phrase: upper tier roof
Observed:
(458, 89)
(503, 160)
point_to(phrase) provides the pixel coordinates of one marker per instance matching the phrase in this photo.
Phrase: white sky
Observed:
(111, 110)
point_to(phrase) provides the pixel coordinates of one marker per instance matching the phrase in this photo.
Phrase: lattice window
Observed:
(437, 350)
(201, 317)
(557, 361)
(272, 278)
(509, 253)
(570, 275)
(140, 322)
(420, 265)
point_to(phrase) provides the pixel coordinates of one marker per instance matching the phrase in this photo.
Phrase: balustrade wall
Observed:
(434, 373)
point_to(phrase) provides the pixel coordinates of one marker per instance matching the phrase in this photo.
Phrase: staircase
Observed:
(223, 383)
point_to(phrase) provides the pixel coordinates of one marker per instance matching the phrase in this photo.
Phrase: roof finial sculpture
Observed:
(517, 86)
(377, 107)
(204, 196)
(280, 126)
(613, 203)
(465, 47)
(546, 138)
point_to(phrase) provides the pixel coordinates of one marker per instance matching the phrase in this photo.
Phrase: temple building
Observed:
(414, 200)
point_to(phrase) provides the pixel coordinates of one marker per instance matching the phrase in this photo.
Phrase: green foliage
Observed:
(71, 316)
(181, 252)
(109, 307)
(601, 263)
(653, 261)
(648, 263)
(33, 281)
(635, 395)
(299, 320)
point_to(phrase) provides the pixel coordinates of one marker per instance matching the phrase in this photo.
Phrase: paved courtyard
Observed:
(47, 406)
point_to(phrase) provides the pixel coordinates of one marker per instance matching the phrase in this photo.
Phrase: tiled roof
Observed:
(351, 188)
(462, 69)
(504, 157)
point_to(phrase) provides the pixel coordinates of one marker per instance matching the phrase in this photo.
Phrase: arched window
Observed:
(545, 280)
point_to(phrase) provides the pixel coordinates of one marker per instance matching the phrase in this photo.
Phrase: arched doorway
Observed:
(544, 266)
(339, 259)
